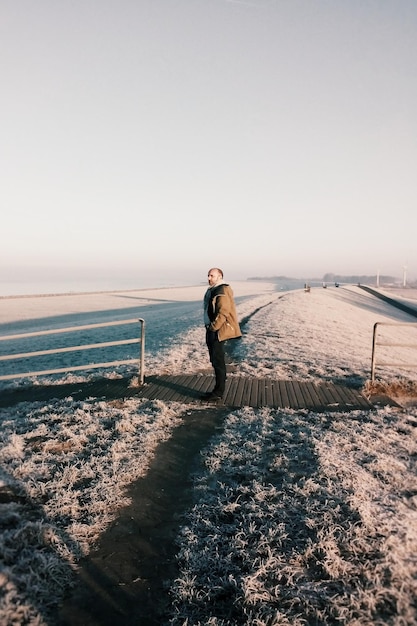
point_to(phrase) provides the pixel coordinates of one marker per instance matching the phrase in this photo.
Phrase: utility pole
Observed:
(404, 276)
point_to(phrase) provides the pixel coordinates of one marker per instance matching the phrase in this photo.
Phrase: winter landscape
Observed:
(297, 518)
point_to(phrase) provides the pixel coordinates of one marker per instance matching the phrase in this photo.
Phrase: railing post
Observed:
(142, 351)
(373, 352)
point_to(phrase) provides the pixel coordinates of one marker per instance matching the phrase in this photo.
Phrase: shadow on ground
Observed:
(125, 578)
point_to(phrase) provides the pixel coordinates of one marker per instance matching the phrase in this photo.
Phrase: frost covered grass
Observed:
(299, 518)
(303, 519)
(64, 470)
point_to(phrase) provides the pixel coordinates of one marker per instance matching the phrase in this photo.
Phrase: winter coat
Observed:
(221, 310)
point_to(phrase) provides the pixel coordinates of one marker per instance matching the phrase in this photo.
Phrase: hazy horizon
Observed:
(62, 283)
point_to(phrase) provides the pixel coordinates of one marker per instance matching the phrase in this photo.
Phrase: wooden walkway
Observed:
(188, 389)
(256, 392)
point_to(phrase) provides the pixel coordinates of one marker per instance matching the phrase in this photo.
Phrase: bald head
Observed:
(215, 275)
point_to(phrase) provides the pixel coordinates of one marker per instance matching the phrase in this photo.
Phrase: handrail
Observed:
(140, 339)
(376, 343)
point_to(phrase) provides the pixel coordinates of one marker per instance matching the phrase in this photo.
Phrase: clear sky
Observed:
(162, 137)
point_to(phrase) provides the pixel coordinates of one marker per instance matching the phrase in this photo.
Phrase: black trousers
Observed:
(216, 353)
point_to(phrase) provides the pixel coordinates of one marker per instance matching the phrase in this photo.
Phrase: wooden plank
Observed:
(165, 392)
(247, 392)
(186, 388)
(347, 400)
(321, 392)
(299, 398)
(202, 383)
(240, 389)
(207, 385)
(317, 402)
(253, 401)
(308, 397)
(150, 389)
(307, 404)
(177, 389)
(335, 395)
(231, 397)
(364, 401)
(353, 398)
(341, 398)
(228, 392)
(286, 404)
(261, 393)
(326, 396)
(291, 395)
(277, 401)
(198, 385)
(269, 398)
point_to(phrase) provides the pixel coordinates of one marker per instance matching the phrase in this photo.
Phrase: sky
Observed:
(149, 140)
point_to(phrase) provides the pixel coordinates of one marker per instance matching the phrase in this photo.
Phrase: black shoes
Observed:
(212, 397)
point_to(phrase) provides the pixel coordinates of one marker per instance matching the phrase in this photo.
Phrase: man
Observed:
(220, 319)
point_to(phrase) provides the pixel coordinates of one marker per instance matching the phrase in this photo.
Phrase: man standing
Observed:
(220, 319)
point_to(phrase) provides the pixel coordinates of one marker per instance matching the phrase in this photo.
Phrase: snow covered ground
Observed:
(168, 314)
(298, 517)
(326, 333)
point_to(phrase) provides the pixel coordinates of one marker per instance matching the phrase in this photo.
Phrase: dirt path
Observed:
(124, 580)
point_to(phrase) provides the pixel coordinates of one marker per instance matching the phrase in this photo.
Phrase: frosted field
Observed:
(298, 518)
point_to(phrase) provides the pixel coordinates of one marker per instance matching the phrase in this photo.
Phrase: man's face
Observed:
(213, 277)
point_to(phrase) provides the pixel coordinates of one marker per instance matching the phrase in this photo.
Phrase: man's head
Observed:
(215, 275)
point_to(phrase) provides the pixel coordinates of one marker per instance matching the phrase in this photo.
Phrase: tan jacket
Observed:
(221, 310)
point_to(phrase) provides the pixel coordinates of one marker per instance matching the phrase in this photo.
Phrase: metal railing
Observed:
(140, 339)
(376, 343)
